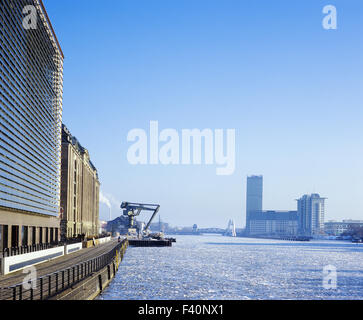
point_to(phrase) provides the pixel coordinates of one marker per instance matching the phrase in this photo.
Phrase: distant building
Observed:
(273, 223)
(253, 197)
(335, 228)
(159, 226)
(311, 211)
(103, 227)
(80, 189)
(31, 89)
(120, 225)
(266, 223)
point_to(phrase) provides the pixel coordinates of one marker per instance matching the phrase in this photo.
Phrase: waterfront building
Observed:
(159, 226)
(311, 211)
(253, 197)
(336, 228)
(103, 227)
(31, 89)
(80, 190)
(273, 223)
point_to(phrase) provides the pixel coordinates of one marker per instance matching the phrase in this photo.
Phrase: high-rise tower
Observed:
(254, 197)
(31, 89)
(311, 214)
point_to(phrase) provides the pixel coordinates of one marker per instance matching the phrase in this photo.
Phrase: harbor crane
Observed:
(132, 210)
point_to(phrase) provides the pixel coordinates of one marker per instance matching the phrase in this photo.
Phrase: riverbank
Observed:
(70, 277)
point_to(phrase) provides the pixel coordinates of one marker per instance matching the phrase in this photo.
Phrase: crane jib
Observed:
(130, 207)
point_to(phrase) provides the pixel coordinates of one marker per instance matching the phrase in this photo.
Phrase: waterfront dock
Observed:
(78, 276)
(150, 243)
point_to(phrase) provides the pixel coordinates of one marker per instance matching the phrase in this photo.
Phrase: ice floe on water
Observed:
(216, 267)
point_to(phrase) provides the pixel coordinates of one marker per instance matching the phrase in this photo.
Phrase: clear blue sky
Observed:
(292, 90)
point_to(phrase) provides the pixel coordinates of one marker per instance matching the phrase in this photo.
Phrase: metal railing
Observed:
(52, 284)
(9, 252)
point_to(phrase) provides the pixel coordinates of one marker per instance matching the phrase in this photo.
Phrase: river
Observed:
(213, 267)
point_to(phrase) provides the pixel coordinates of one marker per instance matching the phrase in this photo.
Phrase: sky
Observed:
(291, 89)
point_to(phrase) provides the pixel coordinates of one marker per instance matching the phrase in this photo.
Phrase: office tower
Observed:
(254, 197)
(80, 190)
(311, 215)
(31, 81)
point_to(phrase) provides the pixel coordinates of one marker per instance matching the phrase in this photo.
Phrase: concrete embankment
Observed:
(80, 276)
(91, 287)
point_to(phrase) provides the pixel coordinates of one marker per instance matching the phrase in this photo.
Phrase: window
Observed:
(40, 235)
(14, 236)
(34, 235)
(51, 235)
(46, 234)
(4, 236)
(24, 236)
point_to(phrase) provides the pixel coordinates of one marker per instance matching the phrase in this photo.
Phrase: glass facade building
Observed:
(31, 89)
(31, 65)
(253, 197)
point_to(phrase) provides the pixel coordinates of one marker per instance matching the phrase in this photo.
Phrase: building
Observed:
(80, 190)
(253, 197)
(311, 215)
(31, 89)
(273, 223)
(335, 228)
(103, 227)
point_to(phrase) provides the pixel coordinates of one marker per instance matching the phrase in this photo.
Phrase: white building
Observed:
(336, 228)
(311, 211)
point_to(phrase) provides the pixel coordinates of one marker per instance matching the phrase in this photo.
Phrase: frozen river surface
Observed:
(215, 267)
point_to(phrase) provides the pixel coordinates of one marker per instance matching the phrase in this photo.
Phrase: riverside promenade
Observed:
(65, 277)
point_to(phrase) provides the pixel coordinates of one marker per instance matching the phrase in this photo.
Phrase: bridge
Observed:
(230, 231)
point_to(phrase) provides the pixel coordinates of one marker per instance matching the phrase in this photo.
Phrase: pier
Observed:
(151, 243)
(82, 275)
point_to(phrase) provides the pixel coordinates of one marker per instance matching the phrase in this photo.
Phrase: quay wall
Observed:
(96, 242)
(84, 280)
(73, 247)
(18, 262)
(92, 287)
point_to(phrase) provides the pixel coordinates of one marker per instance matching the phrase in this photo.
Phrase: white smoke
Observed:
(110, 201)
(104, 200)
